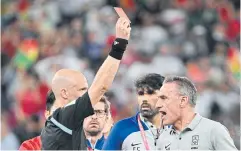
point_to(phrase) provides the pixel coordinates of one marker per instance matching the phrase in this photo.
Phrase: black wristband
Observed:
(118, 48)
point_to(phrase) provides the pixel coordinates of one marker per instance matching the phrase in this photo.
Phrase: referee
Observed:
(63, 130)
(190, 131)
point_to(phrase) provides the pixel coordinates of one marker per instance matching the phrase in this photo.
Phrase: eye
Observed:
(140, 92)
(99, 111)
(162, 97)
(82, 89)
(150, 91)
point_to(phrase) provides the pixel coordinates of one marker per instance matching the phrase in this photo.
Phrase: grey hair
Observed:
(186, 87)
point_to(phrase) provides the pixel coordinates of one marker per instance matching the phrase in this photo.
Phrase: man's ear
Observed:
(64, 94)
(46, 114)
(184, 101)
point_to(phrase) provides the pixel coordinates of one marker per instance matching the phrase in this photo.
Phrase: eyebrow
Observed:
(98, 110)
(84, 88)
(162, 96)
(149, 91)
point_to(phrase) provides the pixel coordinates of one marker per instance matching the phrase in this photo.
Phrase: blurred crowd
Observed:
(199, 39)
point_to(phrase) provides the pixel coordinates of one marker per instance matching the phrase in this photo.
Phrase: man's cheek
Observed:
(170, 113)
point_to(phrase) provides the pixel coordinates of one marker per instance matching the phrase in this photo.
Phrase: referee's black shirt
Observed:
(64, 129)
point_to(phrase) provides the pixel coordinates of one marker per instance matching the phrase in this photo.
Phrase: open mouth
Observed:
(145, 107)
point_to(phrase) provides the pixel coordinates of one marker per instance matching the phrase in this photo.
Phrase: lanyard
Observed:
(90, 149)
(143, 135)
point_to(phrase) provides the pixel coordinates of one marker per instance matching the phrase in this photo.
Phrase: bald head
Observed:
(68, 85)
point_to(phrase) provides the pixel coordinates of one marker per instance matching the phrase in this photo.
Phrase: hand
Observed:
(108, 126)
(123, 28)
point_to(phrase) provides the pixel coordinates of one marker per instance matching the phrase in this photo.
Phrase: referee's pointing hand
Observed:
(123, 28)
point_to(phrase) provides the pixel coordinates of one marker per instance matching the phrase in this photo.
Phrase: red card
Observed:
(121, 12)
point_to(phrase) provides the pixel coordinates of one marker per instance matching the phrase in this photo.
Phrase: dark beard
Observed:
(149, 114)
(93, 133)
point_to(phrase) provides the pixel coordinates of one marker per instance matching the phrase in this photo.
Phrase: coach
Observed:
(190, 131)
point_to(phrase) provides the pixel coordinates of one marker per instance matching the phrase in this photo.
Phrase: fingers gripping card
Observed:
(121, 13)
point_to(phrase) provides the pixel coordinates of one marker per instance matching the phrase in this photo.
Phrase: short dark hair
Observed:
(50, 99)
(107, 104)
(149, 83)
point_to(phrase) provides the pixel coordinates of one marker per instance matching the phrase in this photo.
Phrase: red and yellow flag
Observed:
(233, 61)
(27, 53)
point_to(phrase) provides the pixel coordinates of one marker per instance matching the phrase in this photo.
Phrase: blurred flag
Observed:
(128, 4)
(234, 62)
(195, 73)
(181, 2)
(23, 6)
(233, 29)
(27, 53)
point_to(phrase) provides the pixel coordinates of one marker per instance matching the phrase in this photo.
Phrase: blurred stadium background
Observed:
(199, 39)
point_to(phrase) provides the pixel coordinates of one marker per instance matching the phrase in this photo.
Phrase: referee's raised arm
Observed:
(74, 112)
(108, 70)
(103, 78)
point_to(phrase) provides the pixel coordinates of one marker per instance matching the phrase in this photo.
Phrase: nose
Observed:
(94, 116)
(144, 101)
(145, 97)
(159, 105)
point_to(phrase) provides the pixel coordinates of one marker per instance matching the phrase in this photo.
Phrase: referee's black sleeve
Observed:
(74, 113)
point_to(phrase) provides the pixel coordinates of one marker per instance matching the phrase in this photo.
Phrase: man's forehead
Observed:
(168, 87)
(81, 84)
(156, 91)
(146, 89)
(81, 81)
(99, 106)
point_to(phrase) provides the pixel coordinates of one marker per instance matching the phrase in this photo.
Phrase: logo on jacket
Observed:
(167, 147)
(195, 139)
(135, 146)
